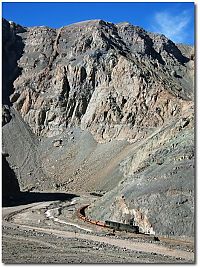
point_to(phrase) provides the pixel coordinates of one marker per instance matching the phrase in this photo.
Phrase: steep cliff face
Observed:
(12, 47)
(107, 107)
(21, 167)
(117, 81)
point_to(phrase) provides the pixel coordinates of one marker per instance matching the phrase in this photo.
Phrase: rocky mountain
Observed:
(97, 106)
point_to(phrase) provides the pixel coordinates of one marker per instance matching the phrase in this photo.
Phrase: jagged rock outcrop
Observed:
(115, 80)
(12, 47)
(107, 107)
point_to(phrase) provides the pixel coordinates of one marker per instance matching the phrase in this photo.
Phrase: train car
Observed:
(108, 224)
(122, 226)
(102, 224)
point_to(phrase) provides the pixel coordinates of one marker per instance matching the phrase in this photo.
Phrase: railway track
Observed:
(108, 224)
(131, 244)
(81, 214)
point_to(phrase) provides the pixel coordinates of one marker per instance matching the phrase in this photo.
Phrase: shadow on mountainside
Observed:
(12, 196)
(24, 198)
(12, 50)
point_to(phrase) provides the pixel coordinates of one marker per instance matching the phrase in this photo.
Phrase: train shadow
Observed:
(24, 198)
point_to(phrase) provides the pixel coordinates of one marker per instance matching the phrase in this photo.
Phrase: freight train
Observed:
(108, 224)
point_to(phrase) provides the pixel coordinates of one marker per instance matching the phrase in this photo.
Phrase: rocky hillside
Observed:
(104, 107)
(114, 80)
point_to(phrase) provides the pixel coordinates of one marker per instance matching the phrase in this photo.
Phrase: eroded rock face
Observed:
(12, 47)
(115, 80)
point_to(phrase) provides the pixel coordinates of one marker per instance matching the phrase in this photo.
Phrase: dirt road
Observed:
(38, 228)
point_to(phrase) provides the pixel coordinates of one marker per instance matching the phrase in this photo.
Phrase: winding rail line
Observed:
(107, 224)
(82, 216)
(8, 222)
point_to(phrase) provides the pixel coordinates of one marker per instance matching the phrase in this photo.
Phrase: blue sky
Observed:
(174, 19)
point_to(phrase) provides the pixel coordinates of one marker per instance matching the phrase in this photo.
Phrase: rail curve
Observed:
(108, 224)
(81, 215)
